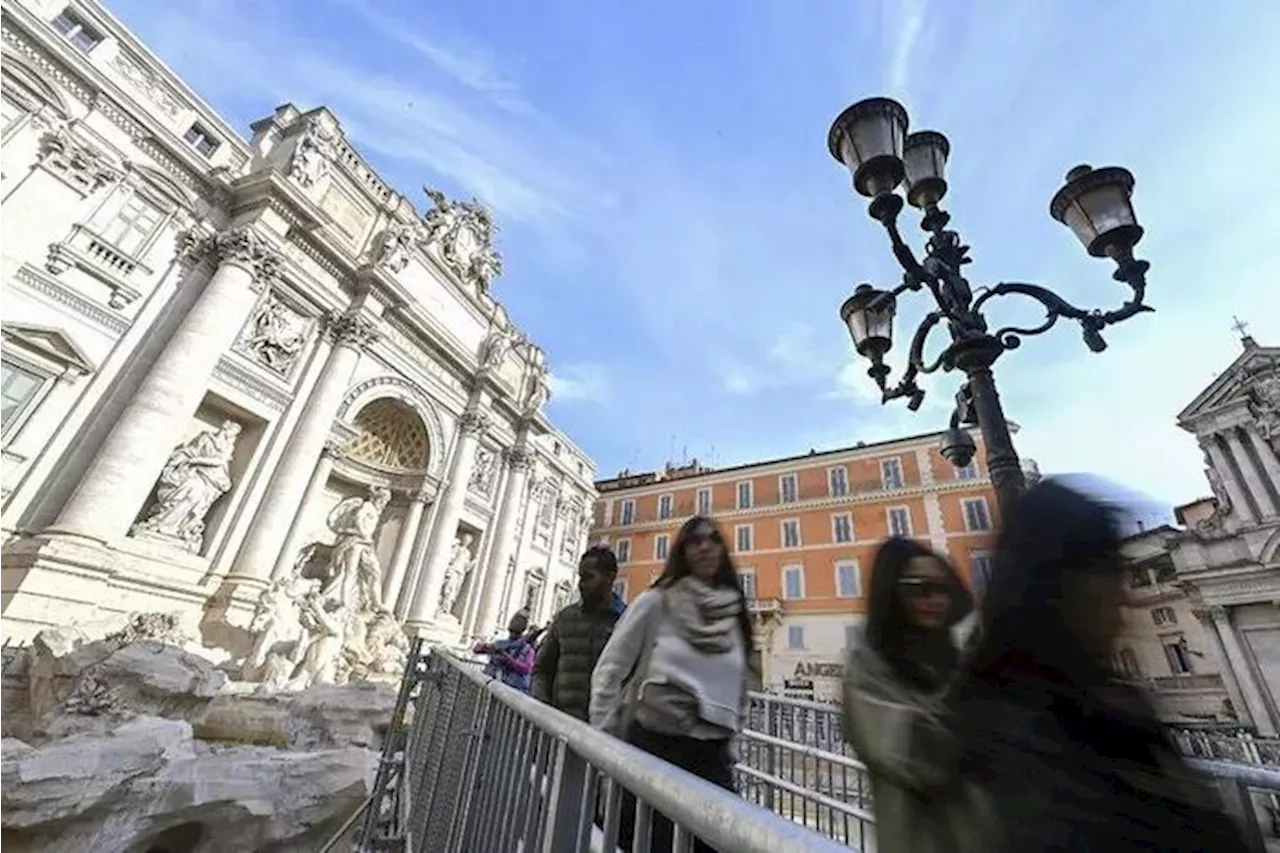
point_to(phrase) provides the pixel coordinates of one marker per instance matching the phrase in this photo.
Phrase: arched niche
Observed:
(409, 395)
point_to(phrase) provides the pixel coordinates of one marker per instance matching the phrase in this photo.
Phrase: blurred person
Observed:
(1070, 758)
(673, 679)
(894, 714)
(511, 660)
(578, 634)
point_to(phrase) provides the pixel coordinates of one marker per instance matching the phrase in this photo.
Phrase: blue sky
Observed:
(679, 240)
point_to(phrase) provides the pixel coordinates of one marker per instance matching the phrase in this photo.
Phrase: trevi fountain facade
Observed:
(249, 385)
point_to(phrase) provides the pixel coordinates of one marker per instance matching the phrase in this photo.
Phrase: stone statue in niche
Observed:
(314, 153)
(395, 246)
(464, 231)
(275, 336)
(461, 561)
(196, 475)
(355, 574)
(537, 388)
(481, 481)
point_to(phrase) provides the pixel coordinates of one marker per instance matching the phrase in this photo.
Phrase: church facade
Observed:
(245, 375)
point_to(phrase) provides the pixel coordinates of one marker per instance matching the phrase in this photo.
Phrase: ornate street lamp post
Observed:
(871, 139)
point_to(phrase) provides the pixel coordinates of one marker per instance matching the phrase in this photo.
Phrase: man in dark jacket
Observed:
(577, 636)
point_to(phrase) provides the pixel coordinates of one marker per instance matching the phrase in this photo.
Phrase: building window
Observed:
(748, 580)
(1139, 577)
(628, 512)
(1166, 571)
(793, 582)
(791, 533)
(1178, 655)
(848, 579)
(75, 30)
(20, 388)
(132, 225)
(899, 521)
(980, 566)
(744, 494)
(742, 538)
(665, 503)
(1127, 663)
(620, 588)
(838, 482)
(891, 473)
(661, 543)
(842, 527)
(850, 636)
(795, 636)
(1164, 616)
(202, 140)
(788, 488)
(968, 472)
(623, 550)
(704, 502)
(976, 515)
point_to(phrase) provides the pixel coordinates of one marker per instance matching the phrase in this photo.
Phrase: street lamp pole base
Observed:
(974, 357)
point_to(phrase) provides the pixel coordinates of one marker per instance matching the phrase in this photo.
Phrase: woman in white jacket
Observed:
(673, 678)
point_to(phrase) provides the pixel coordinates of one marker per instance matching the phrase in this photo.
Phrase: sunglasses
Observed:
(697, 537)
(923, 587)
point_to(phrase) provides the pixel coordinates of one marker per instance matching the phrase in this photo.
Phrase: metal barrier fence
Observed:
(473, 766)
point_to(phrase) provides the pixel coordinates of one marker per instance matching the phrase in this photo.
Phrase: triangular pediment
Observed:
(53, 344)
(1231, 386)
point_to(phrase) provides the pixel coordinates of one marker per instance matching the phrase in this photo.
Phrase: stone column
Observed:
(404, 548)
(272, 544)
(1252, 476)
(1270, 464)
(1238, 661)
(553, 557)
(426, 595)
(519, 461)
(1229, 680)
(1235, 489)
(117, 482)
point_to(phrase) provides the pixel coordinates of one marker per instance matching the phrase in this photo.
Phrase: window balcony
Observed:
(97, 257)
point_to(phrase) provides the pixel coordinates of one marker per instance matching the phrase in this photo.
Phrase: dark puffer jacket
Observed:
(568, 654)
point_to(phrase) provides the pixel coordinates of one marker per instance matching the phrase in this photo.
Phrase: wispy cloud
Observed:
(588, 383)
(911, 14)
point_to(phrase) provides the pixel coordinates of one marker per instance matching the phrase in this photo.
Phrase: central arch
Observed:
(384, 391)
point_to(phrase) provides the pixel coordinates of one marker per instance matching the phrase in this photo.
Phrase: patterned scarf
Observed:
(705, 616)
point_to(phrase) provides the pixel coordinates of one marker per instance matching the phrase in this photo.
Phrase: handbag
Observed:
(624, 714)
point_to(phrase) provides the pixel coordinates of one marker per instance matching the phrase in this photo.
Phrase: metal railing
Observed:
(473, 766)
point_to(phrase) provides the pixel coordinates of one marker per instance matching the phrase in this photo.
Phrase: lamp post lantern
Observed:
(871, 138)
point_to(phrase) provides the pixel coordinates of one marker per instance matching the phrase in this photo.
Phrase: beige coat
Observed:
(920, 805)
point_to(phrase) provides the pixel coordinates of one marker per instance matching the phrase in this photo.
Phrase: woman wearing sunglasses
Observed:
(893, 701)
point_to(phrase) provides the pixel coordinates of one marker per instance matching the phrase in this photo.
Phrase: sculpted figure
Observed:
(394, 247)
(355, 575)
(460, 562)
(277, 336)
(196, 475)
(281, 635)
(326, 624)
(313, 154)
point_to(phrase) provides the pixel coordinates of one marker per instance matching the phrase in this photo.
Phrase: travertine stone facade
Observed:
(212, 346)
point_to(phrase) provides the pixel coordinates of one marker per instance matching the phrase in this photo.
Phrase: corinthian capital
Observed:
(246, 249)
(474, 422)
(518, 458)
(349, 330)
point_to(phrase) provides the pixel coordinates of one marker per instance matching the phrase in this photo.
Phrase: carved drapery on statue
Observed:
(314, 153)
(275, 336)
(324, 622)
(537, 389)
(463, 231)
(461, 561)
(483, 473)
(197, 474)
(1264, 407)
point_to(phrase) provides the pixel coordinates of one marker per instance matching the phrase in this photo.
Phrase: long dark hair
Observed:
(889, 632)
(677, 567)
(1053, 534)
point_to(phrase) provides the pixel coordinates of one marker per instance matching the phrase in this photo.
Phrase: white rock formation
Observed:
(130, 744)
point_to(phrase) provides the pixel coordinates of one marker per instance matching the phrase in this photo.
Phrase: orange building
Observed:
(803, 531)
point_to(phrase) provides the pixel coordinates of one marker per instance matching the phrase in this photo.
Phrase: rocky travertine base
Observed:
(139, 743)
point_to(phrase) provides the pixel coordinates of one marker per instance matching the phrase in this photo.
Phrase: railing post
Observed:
(569, 820)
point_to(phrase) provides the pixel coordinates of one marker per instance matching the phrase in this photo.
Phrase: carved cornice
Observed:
(349, 330)
(79, 165)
